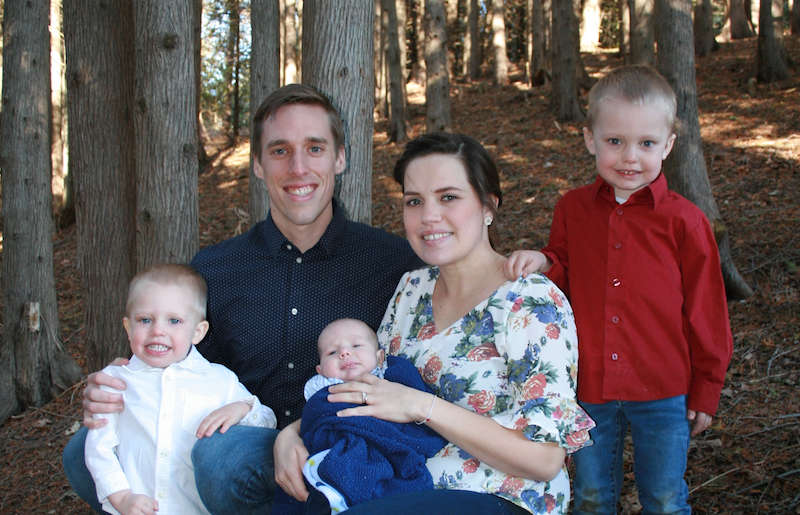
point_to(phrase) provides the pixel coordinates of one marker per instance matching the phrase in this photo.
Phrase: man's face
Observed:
(299, 164)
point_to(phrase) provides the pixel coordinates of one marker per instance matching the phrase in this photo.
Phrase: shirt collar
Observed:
(653, 193)
(194, 361)
(329, 242)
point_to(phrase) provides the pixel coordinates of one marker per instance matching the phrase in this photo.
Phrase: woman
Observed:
(500, 355)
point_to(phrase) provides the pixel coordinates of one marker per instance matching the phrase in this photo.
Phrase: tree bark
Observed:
(197, 29)
(685, 168)
(290, 43)
(624, 30)
(339, 64)
(418, 62)
(265, 73)
(232, 67)
(770, 54)
(794, 22)
(565, 100)
(166, 133)
(437, 91)
(451, 10)
(474, 66)
(590, 26)
(704, 42)
(499, 43)
(383, 75)
(397, 86)
(34, 366)
(100, 69)
(642, 33)
(737, 26)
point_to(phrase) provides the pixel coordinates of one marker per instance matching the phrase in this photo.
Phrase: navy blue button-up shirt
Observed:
(268, 302)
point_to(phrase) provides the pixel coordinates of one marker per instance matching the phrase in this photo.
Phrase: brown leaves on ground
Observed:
(749, 461)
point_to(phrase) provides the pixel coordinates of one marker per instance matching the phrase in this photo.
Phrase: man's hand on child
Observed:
(97, 401)
(223, 418)
(702, 421)
(129, 503)
(525, 262)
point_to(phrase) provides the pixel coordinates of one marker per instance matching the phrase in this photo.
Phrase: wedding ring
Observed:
(363, 397)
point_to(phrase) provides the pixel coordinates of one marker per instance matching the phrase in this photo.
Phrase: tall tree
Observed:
(99, 40)
(642, 32)
(794, 21)
(233, 67)
(166, 132)
(565, 99)
(339, 64)
(397, 85)
(770, 54)
(381, 74)
(499, 43)
(685, 167)
(624, 36)
(536, 58)
(704, 42)
(290, 42)
(590, 26)
(737, 25)
(437, 89)
(418, 63)
(34, 366)
(62, 192)
(197, 28)
(265, 77)
(474, 67)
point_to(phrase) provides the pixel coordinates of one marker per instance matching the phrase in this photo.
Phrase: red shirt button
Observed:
(615, 319)
(614, 356)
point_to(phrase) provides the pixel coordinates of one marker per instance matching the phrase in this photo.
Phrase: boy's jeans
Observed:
(661, 437)
(234, 472)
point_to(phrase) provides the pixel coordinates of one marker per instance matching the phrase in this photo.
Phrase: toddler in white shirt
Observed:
(141, 460)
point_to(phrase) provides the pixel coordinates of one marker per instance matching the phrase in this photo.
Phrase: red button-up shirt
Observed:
(645, 284)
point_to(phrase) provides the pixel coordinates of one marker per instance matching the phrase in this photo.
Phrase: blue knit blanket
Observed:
(369, 457)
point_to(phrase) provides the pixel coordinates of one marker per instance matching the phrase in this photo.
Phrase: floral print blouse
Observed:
(514, 358)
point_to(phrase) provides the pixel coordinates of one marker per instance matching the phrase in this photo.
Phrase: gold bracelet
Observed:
(428, 418)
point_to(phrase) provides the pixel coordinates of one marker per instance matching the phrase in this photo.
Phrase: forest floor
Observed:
(748, 462)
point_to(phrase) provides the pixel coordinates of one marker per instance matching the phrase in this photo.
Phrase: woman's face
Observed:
(442, 214)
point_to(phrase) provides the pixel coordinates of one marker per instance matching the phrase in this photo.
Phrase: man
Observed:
(271, 291)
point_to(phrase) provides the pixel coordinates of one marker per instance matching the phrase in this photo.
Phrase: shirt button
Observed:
(167, 378)
(294, 311)
(163, 454)
(619, 211)
(255, 416)
(161, 495)
(616, 282)
(288, 247)
(288, 413)
(615, 319)
(618, 245)
(614, 356)
(290, 366)
(299, 260)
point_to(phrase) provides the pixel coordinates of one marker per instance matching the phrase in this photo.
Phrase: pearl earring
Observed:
(488, 220)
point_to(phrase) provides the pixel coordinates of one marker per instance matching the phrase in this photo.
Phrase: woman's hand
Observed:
(99, 401)
(290, 455)
(386, 400)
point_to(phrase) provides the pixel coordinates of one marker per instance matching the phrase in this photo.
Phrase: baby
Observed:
(141, 460)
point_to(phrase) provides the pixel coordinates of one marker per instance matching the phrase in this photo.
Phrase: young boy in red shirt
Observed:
(641, 268)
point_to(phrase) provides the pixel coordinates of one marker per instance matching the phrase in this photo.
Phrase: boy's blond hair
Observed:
(166, 274)
(638, 84)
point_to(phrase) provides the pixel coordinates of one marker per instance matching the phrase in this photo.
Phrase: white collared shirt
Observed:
(147, 448)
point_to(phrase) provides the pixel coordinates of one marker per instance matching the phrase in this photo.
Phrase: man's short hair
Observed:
(640, 85)
(288, 95)
(165, 274)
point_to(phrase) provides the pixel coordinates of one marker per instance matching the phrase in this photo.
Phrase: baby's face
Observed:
(347, 349)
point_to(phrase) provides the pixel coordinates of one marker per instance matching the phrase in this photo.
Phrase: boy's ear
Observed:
(382, 355)
(670, 144)
(200, 332)
(126, 323)
(588, 139)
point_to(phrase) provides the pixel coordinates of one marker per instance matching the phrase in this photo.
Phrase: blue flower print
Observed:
(535, 501)
(464, 455)
(471, 325)
(545, 313)
(512, 296)
(452, 388)
(415, 281)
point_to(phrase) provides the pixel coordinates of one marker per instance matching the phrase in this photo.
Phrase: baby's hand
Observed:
(525, 262)
(129, 503)
(223, 418)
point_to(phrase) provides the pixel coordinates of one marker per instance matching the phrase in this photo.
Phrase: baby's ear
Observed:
(382, 355)
(200, 332)
(126, 323)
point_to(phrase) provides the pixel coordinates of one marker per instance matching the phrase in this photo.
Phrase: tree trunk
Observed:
(590, 26)
(166, 133)
(451, 9)
(752, 9)
(232, 68)
(402, 41)
(704, 42)
(736, 25)
(197, 28)
(290, 43)
(642, 33)
(339, 64)
(397, 105)
(57, 98)
(34, 366)
(685, 167)
(437, 91)
(265, 73)
(418, 61)
(795, 17)
(383, 76)
(100, 69)
(474, 67)
(770, 56)
(499, 43)
(584, 80)
(464, 22)
(565, 100)
(624, 30)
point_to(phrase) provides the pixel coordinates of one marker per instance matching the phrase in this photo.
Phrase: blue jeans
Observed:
(234, 471)
(661, 435)
(424, 502)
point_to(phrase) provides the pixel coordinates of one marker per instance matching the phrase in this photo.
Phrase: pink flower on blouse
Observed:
(482, 402)
(395, 345)
(483, 352)
(550, 502)
(427, 331)
(552, 331)
(512, 486)
(578, 438)
(517, 305)
(534, 387)
(470, 466)
(557, 298)
(431, 371)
